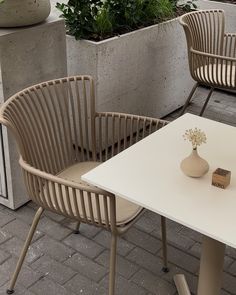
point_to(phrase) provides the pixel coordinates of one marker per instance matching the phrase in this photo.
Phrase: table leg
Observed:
(181, 285)
(211, 267)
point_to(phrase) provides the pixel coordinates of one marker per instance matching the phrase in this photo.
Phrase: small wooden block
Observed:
(221, 178)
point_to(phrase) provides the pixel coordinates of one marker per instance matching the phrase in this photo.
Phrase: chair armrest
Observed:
(215, 57)
(118, 131)
(56, 179)
(230, 35)
(78, 201)
(131, 116)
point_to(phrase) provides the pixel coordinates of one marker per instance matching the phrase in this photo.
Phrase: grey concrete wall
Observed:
(28, 56)
(143, 72)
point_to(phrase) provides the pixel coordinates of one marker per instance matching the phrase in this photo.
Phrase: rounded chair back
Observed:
(204, 30)
(52, 122)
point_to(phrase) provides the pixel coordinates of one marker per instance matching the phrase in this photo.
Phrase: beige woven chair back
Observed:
(52, 122)
(205, 30)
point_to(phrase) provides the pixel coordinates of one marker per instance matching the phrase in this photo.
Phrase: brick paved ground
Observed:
(62, 263)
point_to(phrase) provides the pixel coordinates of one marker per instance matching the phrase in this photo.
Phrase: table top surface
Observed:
(148, 173)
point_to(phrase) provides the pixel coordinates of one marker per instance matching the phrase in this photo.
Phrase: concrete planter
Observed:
(143, 72)
(27, 56)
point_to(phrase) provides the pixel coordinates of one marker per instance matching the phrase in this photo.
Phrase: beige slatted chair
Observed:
(211, 52)
(60, 137)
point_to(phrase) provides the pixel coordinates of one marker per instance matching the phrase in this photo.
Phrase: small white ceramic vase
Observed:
(18, 13)
(194, 165)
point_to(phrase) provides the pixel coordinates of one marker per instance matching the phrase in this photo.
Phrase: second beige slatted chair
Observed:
(211, 52)
(60, 137)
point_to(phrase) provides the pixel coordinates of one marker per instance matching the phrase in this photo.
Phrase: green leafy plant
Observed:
(103, 23)
(100, 19)
(1, 1)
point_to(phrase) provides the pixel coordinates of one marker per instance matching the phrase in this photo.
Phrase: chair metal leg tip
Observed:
(10, 291)
(165, 269)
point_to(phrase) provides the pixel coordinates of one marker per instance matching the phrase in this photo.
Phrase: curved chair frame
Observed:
(56, 126)
(211, 51)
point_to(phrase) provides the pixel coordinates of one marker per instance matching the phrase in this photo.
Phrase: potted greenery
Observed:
(138, 61)
(16, 13)
(101, 19)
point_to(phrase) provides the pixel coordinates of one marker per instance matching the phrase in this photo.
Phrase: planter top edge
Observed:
(126, 34)
(48, 22)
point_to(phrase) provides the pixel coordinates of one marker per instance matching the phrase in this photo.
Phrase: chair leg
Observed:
(76, 231)
(164, 244)
(189, 99)
(112, 273)
(25, 249)
(206, 101)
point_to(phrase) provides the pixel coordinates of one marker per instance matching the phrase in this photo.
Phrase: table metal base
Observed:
(211, 268)
(181, 285)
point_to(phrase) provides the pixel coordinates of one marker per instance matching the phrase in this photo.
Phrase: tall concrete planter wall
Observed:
(143, 72)
(28, 56)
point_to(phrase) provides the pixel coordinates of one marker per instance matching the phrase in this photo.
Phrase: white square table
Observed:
(148, 173)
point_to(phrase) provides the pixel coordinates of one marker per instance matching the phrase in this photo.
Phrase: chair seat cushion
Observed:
(125, 210)
(221, 75)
